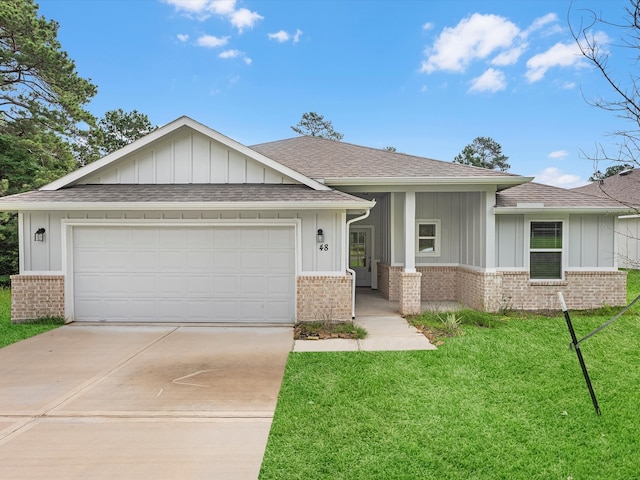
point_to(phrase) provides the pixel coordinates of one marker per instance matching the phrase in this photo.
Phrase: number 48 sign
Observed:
(324, 247)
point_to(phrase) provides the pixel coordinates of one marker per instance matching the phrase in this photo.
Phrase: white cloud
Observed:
(241, 18)
(557, 178)
(560, 55)
(284, 36)
(183, 37)
(541, 22)
(427, 26)
(491, 80)
(235, 54)
(244, 18)
(211, 41)
(568, 85)
(475, 37)
(558, 154)
(280, 36)
(509, 57)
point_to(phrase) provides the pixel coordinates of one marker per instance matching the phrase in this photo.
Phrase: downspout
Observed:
(352, 272)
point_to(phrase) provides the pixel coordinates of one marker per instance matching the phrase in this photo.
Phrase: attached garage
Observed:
(208, 273)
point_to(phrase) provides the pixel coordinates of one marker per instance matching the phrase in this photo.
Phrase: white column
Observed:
(410, 232)
(490, 238)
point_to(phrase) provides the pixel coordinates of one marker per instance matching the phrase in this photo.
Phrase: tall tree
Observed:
(115, 130)
(609, 172)
(484, 152)
(314, 125)
(42, 97)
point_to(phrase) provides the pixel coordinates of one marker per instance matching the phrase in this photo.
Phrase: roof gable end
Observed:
(184, 152)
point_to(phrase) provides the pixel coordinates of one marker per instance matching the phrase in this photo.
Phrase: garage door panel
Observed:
(192, 274)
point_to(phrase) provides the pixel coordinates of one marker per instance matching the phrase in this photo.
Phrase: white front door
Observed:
(360, 255)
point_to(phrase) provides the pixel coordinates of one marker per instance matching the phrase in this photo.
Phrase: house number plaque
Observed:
(324, 247)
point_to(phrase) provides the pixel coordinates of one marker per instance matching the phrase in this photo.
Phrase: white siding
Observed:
(47, 256)
(187, 157)
(510, 241)
(591, 241)
(628, 238)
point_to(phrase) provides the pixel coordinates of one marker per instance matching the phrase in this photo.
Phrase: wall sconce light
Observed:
(39, 235)
(320, 236)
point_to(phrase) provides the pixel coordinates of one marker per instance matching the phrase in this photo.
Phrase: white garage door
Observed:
(184, 274)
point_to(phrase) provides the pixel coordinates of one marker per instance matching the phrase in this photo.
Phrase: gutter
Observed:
(352, 272)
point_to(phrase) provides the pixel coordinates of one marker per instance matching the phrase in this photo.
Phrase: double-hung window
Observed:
(545, 250)
(428, 237)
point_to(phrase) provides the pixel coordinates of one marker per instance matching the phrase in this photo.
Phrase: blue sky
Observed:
(426, 77)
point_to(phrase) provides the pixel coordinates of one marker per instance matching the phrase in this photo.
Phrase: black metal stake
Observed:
(576, 346)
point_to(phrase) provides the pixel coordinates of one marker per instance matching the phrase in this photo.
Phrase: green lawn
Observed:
(14, 332)
(507, 402)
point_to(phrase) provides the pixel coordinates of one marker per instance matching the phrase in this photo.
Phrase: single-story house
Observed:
(188, 225)
(623, 188)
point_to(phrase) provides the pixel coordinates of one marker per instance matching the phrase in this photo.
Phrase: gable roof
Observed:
(181, 123)
(537, 198)
(340, 163)
(623, 187)
(183, 196)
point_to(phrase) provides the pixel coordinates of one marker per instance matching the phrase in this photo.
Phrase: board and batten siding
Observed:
(462, 223)
(628, 238)
(590, 241)
(47, 256)
(187, 156)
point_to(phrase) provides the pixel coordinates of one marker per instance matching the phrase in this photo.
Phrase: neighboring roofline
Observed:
(559, 210)
(172, 206)
(505, 182)
(180, 122)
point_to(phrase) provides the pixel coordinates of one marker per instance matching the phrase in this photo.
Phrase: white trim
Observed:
(21, 246)
(169, 128)
(410, 231)
(68, 224)
(43, 273)
(558, 210)
(564, 251)
(511, 180)
(490, 236)
(437, 252)
(337, 273)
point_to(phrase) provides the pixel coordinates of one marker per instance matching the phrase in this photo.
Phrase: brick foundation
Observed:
(410, 288)
(36, 296)
(509, 290)
(324, 298)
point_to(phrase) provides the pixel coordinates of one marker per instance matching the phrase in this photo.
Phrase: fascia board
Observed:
(170, 128)
(558, 210)
(136, 206)
(375, 181)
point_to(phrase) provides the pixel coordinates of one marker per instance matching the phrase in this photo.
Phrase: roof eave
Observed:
(504, 182)
(559, 210)
(173, 206)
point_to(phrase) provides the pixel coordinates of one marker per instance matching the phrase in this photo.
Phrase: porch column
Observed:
(410, 279)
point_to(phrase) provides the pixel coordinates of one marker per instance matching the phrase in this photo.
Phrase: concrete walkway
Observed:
(387, 330)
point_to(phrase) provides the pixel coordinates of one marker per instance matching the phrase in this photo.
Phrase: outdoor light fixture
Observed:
(39, 235)
(320, 236)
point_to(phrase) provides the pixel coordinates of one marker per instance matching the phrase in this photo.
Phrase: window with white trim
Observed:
(428, 237)
(545, 250)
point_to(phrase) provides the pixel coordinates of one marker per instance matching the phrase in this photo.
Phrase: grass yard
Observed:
(14, 332)
(507, 402)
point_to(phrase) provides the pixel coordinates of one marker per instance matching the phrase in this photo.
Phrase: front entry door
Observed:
(360, 255)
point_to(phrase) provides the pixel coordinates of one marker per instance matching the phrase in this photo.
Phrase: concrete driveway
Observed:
(140, 402)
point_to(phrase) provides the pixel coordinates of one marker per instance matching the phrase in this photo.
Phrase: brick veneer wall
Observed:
(410, 293)
(389, 281)
(491, 291)
(35, 296)
(324, 298)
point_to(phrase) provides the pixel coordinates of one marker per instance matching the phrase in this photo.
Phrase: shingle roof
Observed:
(550, 197)
(181, 193)
(623, 187)
(327, 159)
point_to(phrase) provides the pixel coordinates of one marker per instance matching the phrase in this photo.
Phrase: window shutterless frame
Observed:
(428, 238)
(546, 248)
